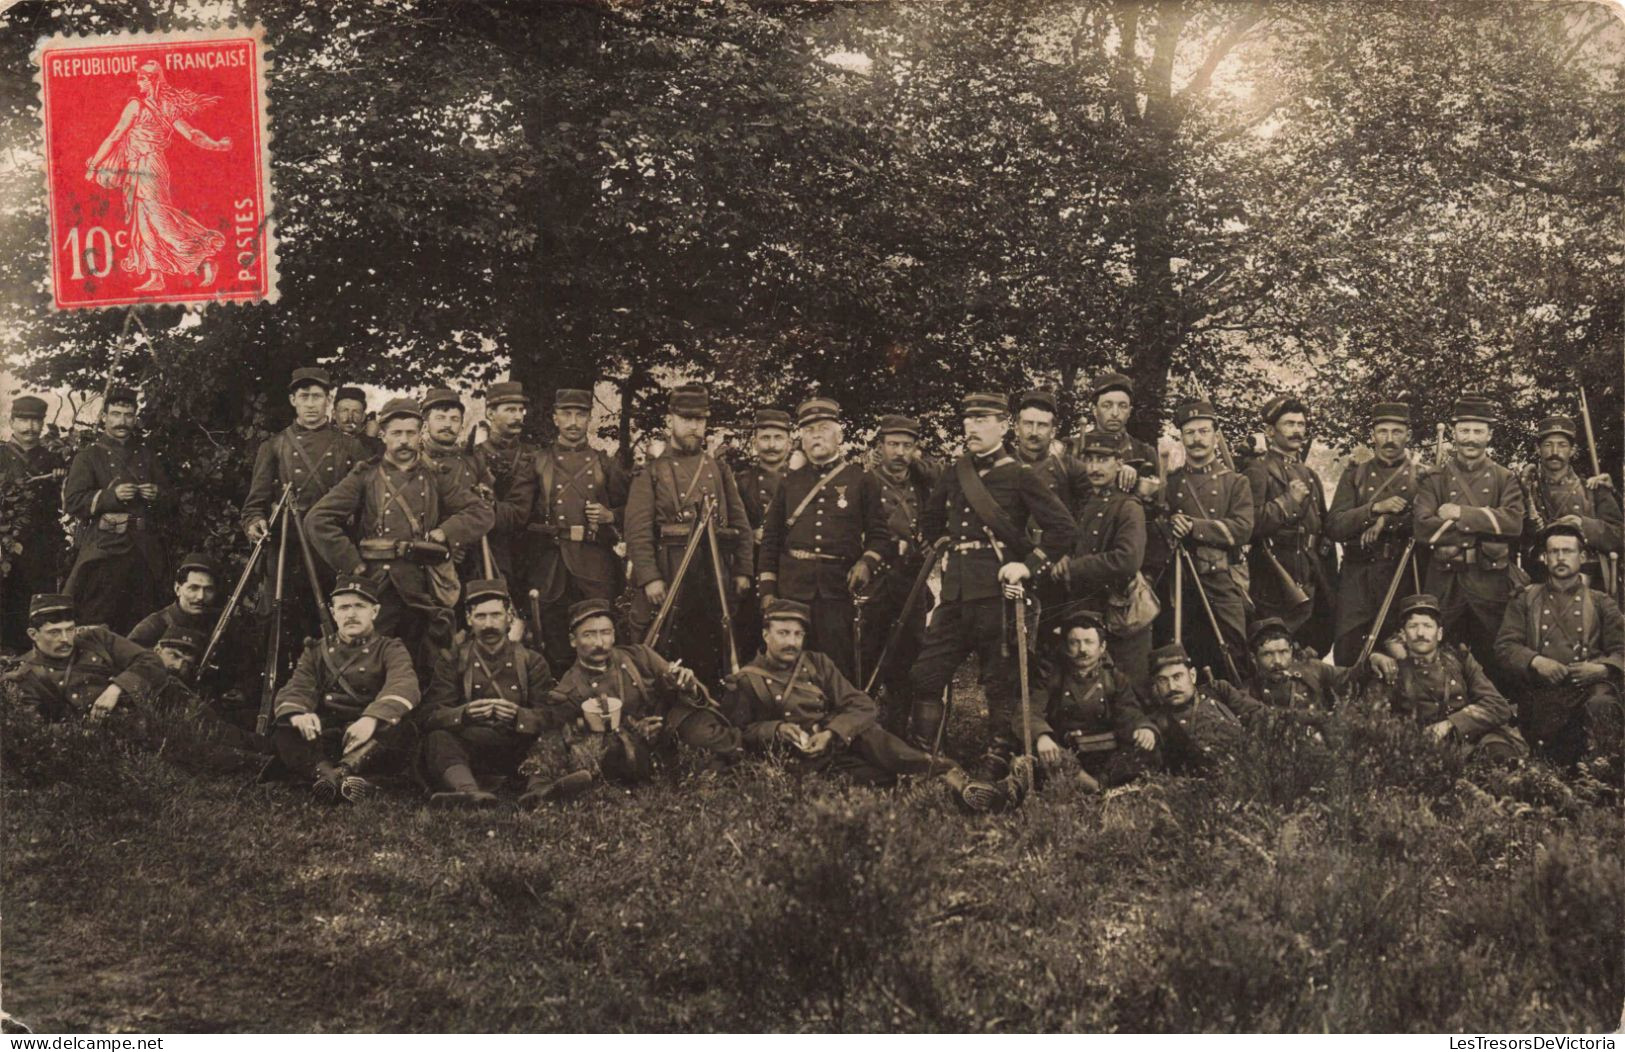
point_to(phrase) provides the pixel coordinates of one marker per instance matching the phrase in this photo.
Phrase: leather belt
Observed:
(802, 553)
(969, 546)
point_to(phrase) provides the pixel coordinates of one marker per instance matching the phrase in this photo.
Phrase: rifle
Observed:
(696, 535)
(536, 618)
(1021, 673)
(235, 601)
(915, 590)
(724, 601)
(1212, 618)
(1611, 564)
(273, 645)
(328, 626)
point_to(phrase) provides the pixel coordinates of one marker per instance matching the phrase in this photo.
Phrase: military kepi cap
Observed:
(50, 603)
(121, 395)
(1038, 399)
(399, 407)
(985, 403)
(788, 610)
(1391, 413)
(29, 407)
(313, 375)
(1557, 425)
(441, 396)
(898, 424)
(1195, 409)
(356, 584)
(505, 392)
(350, 393)
(479, 591)
(1101, 444)
(1112, 382)
(1281, 405)
(1420, 603)
(691, 400)
(1266, 629)
(572, 398)
(589, 608)
(815, 409)
(1172, 654)
(182, 638)
(1563, 529)
(771, 418)
(1473, 406)
(198, 561)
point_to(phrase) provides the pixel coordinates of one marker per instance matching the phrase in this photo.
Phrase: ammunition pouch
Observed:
(675, 534)
(116, 522)
(1081, 741)
(1494, 555)
(424, 553)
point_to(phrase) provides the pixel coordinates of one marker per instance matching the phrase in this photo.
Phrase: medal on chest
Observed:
(840, 496)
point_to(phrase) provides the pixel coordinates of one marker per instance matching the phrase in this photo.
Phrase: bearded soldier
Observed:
(119, 490)
(34, 472)
(662, 509)
(824, 533)
(350, 417)
(1284, 679)
(1288, 517)
(1555, 493)
(906, 480)
(758, 482)
(510, 463)
(1471, 568)
(1086, 708)
(1370, 516)
(1563, 643)
(581, 495)
(74, 671)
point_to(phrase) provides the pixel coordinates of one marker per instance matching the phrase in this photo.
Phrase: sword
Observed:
(1021, 671)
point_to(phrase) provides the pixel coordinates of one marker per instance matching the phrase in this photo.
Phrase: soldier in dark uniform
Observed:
(180, 648)
(796, 704)
(1444, 689)
(486, 703)
(341, 713)
(197, 581)
(393, 503)
(74, 672)
(443, 412)
(1038, 450)
(664, 710)
(1086, 708)
(758, 482)
(350, 417)
(581, 496)
(1289, 513)
(33, 471)
(1555, 493)
(1371, 517)
(510, 463)
(1562, 643)
(1198, 726)
(988, 559)
(824, 533)
(1107, 553)
(906, 481)
(661, 510)
(117, 487)
(1209, 510)
(1285, 679)
(1472, 565)
(1112, 400)
(314, 455)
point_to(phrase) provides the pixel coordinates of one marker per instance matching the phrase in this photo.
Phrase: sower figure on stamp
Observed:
(510, 463)
(1087, 709)
(442, 427)
(407, 515)
(1102, 570)
(1371, 517)
(117, 488)
(75, 672)
(1444, 689)
(662, 510)
(340, 715)
(1562, 644)
(1555, 493)
(35, 471)
(313, 455)
(197, 581)
(823, 536)
(980, 511)
(1061, 472)
(350, 417)
(1472, 570)
(795, 704)
(1286, 556)
(758, 482)
(906, 481)
(618, 708)
(486, 703)
(581, 496)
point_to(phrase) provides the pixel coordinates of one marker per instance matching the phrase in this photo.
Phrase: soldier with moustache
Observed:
(33, 471)
(1198, 726)
(1555, 493)
(75, 671)
(1086, 708)
(119, 491)
(1289, 512)
(1038, 450)
(1285, 679)
(1371, 517)
(510, 463)
(350, 417)
(662, 509)
(443, 414)
(197, 582)
(824, 533)
(758, 482)
(581, 495)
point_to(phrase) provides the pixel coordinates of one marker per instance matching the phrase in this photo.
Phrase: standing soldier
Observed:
(1556, 494)
(1106, 556)
(197, 581)
(1289, 512)
(580, 501)
(1062, 474)
(981, 508)
(1471, 569)
(510, 464)
(31, 475)
(662, 508)
(1113, 397)
(1210, 512)
(350, 417)
(1371, 517)
(758, 482)
(395, 504)
(75, 671)
(442, 427)
(905, 482)
(119, 490)
(823, 536)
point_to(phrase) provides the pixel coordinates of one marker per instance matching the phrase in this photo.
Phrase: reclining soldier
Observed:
(340, 714)
(80, 672)
(485, 705)
(663, 711)
(1086, 708)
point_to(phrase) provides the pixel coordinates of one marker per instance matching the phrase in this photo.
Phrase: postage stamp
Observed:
(157, 166)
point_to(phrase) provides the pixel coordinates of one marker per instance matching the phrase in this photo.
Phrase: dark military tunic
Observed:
(314, 459)
(36, 568)
(1107, 553)
(901, 499)
(1220, 502)
(1470, 566)
(808, 559)
(573, 559)
(1062, 474)
(757, 485)
(1306, 685)
(511, 467)
(57, 690)
(1136, 453)
(154, 625)
(121, 572)
(1290, 530)
(471, 673)
(1096, 712)
(1452, 687)
(465, 469)
(1551, 499)
(345, 680)
(1579, 624)
(1368, 571)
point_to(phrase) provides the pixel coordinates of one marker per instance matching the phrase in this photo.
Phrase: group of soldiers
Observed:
(495, 612)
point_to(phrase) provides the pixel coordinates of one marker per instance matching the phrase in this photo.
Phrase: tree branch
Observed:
(1204, 74)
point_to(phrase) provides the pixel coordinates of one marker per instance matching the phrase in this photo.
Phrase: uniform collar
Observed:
(437, 451)
(562, 446)
(1567, 477)
(987, 460)
(297, 427)
(825, 465)
(1212, 467)
(361, 642)
(37, 657)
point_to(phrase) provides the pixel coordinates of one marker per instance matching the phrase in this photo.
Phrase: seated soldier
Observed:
(1445, 689)
(1199, 726)
(1563, 643)
(1085, 707)
(662, 706)
(195, 586)
(485, 704)
(1284, 679)
(796, 704)
(73, 671)
(340, 713)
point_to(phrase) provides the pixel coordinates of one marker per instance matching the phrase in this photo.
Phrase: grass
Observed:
(1367, 884)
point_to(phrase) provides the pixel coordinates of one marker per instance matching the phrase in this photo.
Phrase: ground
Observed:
(1364, 884)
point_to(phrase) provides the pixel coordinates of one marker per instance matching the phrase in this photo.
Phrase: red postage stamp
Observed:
(157, 165)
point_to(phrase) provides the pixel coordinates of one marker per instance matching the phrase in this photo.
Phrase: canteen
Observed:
(603, 714)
